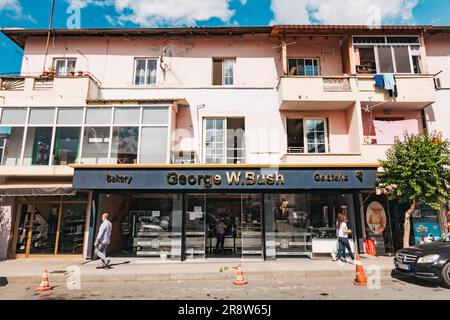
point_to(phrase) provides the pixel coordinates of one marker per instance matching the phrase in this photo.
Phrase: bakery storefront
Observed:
(268, 213)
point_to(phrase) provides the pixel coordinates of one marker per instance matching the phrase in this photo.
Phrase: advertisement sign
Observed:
(376, 217)
(426, 232)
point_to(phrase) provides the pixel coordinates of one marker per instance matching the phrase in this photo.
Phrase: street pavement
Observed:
(293, 289)
(211, 279)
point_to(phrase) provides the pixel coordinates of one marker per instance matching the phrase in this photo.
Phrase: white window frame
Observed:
(305, 137)
(391, 45)
(316, 59)
(225, 142)
(66, 64)
(147, 59)
(233, 64)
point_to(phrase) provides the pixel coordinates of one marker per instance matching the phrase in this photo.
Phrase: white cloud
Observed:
(11, 5)
(164, 12)
(14, 9)
(365, 12)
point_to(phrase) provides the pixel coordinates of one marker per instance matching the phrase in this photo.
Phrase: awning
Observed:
(37, 189)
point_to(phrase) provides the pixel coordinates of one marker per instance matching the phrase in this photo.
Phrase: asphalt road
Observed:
(310, 288)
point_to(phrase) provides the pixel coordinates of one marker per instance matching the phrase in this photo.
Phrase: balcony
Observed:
(303, 93)
(334, 93)
(45, 91)
(414, 92)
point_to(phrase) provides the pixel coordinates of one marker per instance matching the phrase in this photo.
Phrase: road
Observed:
(305, 288)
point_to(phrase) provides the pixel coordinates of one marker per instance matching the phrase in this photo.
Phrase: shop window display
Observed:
(156, 224)
(71, 231)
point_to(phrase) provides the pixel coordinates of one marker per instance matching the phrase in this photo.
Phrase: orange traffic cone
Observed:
(361, 279)
(45, 285)
(240, 277)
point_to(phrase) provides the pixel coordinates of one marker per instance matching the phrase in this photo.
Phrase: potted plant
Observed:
(80, 73)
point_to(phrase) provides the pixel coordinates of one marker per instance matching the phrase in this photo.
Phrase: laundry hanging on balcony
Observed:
(387, 131)
(387, 82)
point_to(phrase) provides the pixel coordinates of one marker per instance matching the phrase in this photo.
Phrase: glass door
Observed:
(23, 233)
(251, 226)
(45, 226)
(195, 226)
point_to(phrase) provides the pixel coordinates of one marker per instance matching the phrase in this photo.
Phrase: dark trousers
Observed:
(220, 241)
(344, 245)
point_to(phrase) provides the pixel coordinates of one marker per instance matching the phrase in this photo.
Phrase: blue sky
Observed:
(135, 13)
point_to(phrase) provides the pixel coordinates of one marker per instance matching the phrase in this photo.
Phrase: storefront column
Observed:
(359, 234)
(91, 227)
(183, 229)
(263, 226)
(6, 210)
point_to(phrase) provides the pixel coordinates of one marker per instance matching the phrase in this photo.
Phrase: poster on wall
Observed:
(426, 232)
(376, 217)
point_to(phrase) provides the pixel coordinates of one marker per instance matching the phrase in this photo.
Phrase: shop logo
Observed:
(359, 175)
(118, 179)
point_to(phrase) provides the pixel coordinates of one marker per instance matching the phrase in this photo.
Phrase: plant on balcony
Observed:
(417, 170)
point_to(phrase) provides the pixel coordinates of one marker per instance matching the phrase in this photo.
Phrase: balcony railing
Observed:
(12, 83)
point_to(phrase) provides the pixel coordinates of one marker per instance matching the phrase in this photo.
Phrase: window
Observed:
(14, 116)
(154, 148)
(95, 145)
(2, 149)
(224, 140)
(70, 116)
(387, 55)
(66, 145)
(223, 72)
(42, 116)
(64, 67)
(145, 71)
(37, 146)
(124, 145)
(304, 67)
(309, 133)
(126, 115)
(98, 115)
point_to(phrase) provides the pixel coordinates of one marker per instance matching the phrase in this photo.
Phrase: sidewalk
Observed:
(139, 269)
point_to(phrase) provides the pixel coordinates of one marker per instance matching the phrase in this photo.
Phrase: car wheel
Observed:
(446, 275)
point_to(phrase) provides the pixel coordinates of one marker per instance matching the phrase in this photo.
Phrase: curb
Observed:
(103, 278)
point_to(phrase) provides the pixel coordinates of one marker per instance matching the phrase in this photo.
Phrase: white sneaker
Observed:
(333, 256)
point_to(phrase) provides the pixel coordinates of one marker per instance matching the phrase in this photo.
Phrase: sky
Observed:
(168, 13)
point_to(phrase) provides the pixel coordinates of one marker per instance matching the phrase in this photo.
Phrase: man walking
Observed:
(102, 241)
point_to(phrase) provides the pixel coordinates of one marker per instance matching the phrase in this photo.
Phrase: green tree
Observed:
(417, 170)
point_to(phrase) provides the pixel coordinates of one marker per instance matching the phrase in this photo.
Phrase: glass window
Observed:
(235, 140)
(154, 145)
(228, 71)
(95, 145)
(42, 116)
(124, 145)
(11, 141)
(304, 67)
(369, 40)
(66, 145)
(315, 135)
(155, 115)
(64, 67)
(98, 115)
(70, 116)
(71, 231)
(365, 60)
(403, 40)
(385, 59)
(295, 136)
(37, 146)
(402, 62)
(45, 226)
(25, 212)
(215, 141)
(126, 115)
(145, 71)
(14, 116)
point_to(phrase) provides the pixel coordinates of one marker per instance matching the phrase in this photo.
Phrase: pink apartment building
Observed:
(274, 129)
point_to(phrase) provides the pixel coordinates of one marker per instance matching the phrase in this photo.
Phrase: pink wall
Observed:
(111, 60)
(438, 56)
(327, 49)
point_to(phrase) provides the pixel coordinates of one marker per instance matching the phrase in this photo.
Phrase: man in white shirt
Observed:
(103, 238)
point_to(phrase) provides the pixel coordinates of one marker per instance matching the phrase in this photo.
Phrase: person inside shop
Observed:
(343, 232)
(103, 239)
(126, 230)
(220, 235)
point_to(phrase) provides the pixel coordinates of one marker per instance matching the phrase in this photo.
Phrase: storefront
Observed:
(46, 219)
(267, 213)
